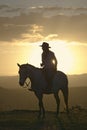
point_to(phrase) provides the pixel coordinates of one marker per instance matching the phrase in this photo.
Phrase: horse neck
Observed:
(32, 73)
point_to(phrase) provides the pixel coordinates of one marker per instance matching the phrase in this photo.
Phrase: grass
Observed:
(27, 120)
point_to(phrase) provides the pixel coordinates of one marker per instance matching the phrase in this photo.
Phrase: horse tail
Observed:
(65, 92)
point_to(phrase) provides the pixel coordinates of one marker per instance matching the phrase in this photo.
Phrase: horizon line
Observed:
(18, 75)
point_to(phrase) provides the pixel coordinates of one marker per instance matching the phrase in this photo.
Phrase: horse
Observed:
(39, 85)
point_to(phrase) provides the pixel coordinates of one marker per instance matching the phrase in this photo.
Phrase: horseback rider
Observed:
(49, 63)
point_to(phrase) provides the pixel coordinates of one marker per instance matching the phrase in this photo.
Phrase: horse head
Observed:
(22, 73)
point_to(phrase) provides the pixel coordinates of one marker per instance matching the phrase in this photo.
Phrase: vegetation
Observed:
(27, 120)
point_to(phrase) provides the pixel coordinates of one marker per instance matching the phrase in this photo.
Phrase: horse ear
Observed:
(18, 64)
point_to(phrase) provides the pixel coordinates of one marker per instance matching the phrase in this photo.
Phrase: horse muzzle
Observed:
(21, 84)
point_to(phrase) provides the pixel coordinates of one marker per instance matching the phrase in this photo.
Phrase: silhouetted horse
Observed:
(39, 85)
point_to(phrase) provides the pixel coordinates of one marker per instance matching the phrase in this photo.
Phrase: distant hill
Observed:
(77, 80)
(23, 99)
(9, 82)
(74, 80)
(12, 96)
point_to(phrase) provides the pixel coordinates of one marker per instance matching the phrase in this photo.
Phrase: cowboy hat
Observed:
(45, 44)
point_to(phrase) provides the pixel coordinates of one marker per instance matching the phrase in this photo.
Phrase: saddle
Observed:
(49, 76)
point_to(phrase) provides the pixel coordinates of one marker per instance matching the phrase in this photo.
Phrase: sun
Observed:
(62, 52)
(64, 56)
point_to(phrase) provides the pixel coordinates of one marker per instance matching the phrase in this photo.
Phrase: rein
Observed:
(27, 85)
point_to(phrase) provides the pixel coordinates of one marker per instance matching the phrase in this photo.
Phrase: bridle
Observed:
(26, 84)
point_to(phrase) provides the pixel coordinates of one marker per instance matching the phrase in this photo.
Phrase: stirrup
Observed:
(30, 89)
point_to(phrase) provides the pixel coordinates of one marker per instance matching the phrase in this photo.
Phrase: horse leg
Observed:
(57, 101)
(65, 94)
(41, 107)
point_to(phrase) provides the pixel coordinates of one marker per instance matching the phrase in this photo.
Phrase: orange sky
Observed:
(24, 25)
(71, 56)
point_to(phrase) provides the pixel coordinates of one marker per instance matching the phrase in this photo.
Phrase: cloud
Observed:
(4, 7)
(35, 26)
(14, 10)
(32, 38)
(53, 8)
(51, 37)
(45, 10)
(59, 10)
(81, 9)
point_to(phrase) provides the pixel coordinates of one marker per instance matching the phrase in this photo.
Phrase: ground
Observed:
(27, 120)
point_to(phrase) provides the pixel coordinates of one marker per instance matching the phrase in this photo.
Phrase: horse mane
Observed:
(31, 66)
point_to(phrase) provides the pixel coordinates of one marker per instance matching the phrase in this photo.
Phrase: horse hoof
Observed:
(41, 117)
(68, 112)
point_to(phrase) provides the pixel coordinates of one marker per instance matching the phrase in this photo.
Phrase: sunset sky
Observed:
(25, 24)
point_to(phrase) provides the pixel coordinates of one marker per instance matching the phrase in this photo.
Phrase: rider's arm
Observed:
(43, 59)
